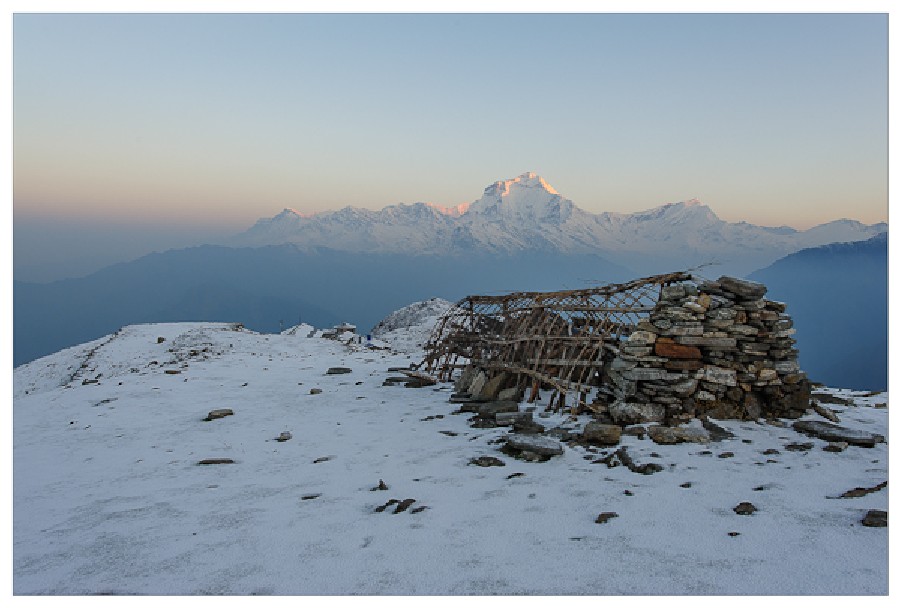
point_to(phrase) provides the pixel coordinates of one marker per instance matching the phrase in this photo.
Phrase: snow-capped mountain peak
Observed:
(527, 197)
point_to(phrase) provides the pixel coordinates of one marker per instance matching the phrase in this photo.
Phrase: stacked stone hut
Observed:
(718, 348)
(690, 348)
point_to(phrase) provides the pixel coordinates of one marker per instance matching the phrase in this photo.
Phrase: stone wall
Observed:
(717, 348)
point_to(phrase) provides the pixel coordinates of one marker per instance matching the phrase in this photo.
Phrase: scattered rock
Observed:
(510, 394)
(392, 501)
(527, 426)
(829, 398)
(635, 413)
(172, 371)
(284, 436)
(622, 457)
(825, 412)
(601, 434)
(745, 508)
(836, 446)
(726, 455)
(403, 505)
(771, 452)
(491, 388)
(220, 413)
(490, 409)
(668, 435)
(309, 496)
(716, 432)
(511, 418)
(380, 487)
(513, 475)
(799, 447)
(686, 484)
(216, 461)
(322, 459)
(419, 509)
(487, 461)
(833, 432)
(635, 431)
(605, 517)
(332, 371)
(734, 534)
(859, 492)
(448, 433)
(745, 289)
(315, 391)
(160, 340)
(543, 447)
(875, 519)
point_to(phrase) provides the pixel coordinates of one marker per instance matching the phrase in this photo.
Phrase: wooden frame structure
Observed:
(558, 339)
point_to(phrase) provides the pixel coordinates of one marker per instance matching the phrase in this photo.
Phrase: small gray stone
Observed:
(745, 508)
(875, 519)
(605, 517)
(487, 461)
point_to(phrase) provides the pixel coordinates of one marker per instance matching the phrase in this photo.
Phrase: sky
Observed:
(167, 130)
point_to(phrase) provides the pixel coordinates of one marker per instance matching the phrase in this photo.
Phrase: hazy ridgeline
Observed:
(837, 295)
(261, 287)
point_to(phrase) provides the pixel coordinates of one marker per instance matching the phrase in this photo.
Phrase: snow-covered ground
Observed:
(109, 498)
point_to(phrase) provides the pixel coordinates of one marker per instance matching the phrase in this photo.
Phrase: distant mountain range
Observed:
(527, 214)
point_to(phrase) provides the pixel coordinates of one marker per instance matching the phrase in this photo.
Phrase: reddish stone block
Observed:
(677, 351)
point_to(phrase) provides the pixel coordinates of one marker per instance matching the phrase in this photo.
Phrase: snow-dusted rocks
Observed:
(408, 329)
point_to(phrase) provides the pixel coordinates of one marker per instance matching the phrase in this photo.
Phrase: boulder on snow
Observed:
(220, 413)
(833, 433)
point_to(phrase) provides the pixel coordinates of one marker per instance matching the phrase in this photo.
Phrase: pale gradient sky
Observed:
(212, 121)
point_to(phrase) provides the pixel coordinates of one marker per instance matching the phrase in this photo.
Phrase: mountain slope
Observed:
(837, 295)
(527, 214)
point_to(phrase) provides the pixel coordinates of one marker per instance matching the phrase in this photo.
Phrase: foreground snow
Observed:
(109, 498)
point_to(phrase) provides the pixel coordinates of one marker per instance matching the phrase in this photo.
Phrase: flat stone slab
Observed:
(832, 432)
(206, 461)
(338, 370)
(221, 413)
(670, 435)
(491, 408)
(745, 289)
(538, 444)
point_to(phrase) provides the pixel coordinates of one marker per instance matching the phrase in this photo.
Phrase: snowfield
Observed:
(109, 498)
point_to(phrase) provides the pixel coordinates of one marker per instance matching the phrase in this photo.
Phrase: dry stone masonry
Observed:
(716, 348)
(661, 349)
